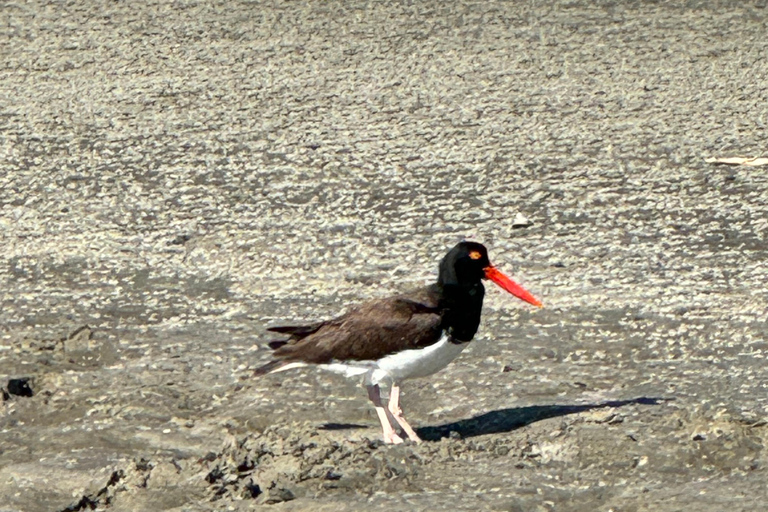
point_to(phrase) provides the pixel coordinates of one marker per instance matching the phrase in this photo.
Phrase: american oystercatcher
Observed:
(389, 340)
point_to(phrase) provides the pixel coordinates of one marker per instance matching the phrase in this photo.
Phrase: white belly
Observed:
(403, 365)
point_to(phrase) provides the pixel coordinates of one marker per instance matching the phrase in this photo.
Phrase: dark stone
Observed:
(85, 503)
(180, 240)
(209, 457)
(252, 490)
(279, 495)
(20, 387)
(246, 465)
(215, 475)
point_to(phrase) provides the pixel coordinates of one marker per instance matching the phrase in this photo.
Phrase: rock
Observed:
(84, 349)
(20, 387)
(251, 490)
(277, 495)
(521, 221)
(80, 340)
(164, 474)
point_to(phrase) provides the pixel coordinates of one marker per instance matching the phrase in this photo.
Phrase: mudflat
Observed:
(177, 176)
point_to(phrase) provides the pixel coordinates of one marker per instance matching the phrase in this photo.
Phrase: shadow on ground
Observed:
(506, 420)
(341, 426)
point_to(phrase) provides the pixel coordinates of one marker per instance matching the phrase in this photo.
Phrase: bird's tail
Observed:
(268, 368)
(277, 366)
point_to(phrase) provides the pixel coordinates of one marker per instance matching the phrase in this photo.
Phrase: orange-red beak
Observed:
(498, 277)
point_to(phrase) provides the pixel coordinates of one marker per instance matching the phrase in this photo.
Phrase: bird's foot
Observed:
(397, 416)
(413, 437)
(392, 438)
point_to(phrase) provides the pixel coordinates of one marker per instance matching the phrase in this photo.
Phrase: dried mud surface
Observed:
(175, 176)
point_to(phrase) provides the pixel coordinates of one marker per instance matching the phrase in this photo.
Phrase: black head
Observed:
(464, 265)
(460, 284)
(467, 264)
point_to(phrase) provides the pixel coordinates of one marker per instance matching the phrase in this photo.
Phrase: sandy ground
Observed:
(176, 176)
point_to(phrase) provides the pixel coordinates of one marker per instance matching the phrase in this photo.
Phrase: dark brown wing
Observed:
(297, 332)
(369, 332)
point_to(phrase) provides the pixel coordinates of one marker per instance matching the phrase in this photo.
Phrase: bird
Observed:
(389, 340)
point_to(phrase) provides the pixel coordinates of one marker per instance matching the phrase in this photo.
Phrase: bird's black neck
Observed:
(460, 306)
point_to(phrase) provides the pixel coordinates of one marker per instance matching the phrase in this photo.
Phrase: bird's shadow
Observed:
(341, 426)
(507, 420)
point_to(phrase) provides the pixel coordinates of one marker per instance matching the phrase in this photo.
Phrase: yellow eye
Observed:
(475, 255)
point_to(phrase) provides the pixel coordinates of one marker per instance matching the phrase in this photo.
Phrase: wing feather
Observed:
(369, 332)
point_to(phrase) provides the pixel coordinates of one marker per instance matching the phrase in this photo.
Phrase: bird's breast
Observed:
(408, 364)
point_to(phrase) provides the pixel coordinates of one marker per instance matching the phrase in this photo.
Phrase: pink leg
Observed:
(397, 413)
(390, 436)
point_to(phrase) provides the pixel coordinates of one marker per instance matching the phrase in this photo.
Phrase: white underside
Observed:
(407, 364)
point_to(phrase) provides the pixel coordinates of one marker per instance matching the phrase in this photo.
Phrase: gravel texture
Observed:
(176, 176)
